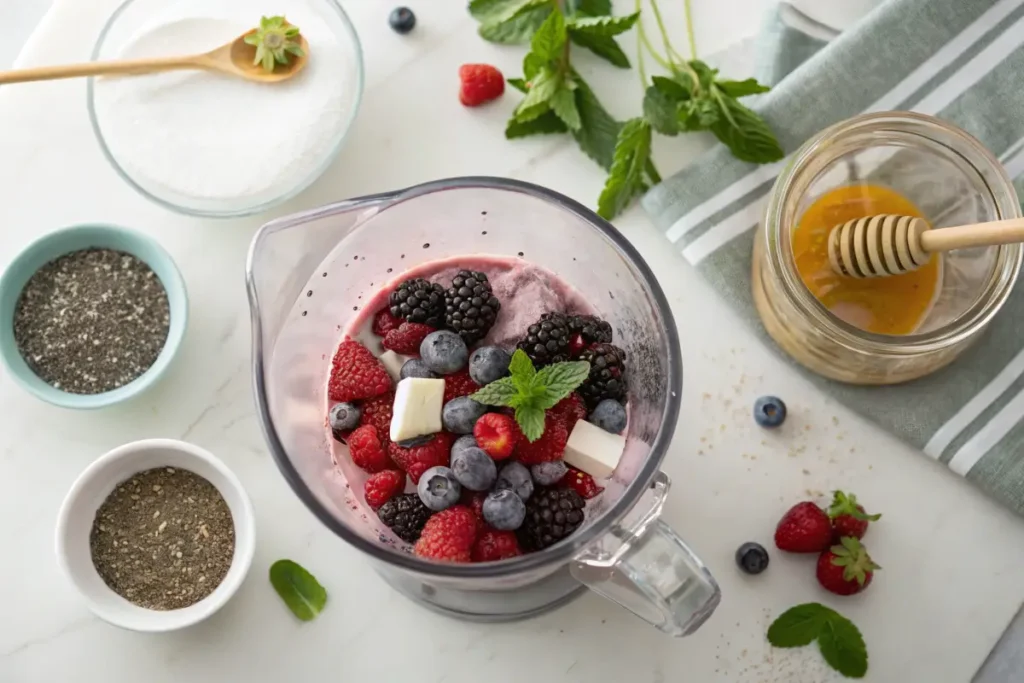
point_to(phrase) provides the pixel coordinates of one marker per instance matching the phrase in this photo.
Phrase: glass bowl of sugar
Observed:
(209, 144)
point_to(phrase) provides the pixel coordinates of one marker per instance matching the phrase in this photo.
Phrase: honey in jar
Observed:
(893, 305)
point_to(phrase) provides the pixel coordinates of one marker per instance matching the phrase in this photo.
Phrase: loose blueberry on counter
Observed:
(402, 20)
(463, 442)
(444, 352)
(769, 411)
(460, 414)
(752, 558)
(548, 473)
(438, 488)
(488, 363)
(609, 415)
(516, 477)
(474, 469)
(504, 510)
(344, 417)
(416, 368)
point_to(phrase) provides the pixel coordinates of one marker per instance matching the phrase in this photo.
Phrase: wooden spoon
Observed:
(876, 246)
(234, 58)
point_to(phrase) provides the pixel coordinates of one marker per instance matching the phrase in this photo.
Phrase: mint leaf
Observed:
(521, 366)
(798, 625)
(602, 46)
(594, 8)
(745, 133)
(519, 25)
(598, 130)
(561, 379)
(519, 84)
(548, 122)
(542, 88)
(843, 647)
(705, 74)
(491, 10)
(531, 422)
(661, 111)
(532, 64)
(672, 89)
(741, 88)
(298, 588)
(604, 26)
(548, 41)
(563, 104)
(498, 393)
(699, 114)
(626, 177)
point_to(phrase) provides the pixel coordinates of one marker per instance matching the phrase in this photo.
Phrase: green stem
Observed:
(690, 37)
(669, 52)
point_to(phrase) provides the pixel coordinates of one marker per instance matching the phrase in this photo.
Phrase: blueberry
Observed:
(344, 417)
(439, 489)
(769, 411)
(548, 473)
(609, 415)
(488, 363)
(474, 469)
(444, 352)
(504, 510)
(516, 477)
(752, 558)
(415, 441)
(463, 442)
(402, 19)
(416, 368)
(460, 414)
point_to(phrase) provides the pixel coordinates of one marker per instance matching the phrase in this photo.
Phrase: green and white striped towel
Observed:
(961, 60)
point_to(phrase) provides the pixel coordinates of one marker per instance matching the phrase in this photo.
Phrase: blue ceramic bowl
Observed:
(65, 241)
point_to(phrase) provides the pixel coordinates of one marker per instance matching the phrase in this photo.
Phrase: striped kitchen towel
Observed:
(961, 60)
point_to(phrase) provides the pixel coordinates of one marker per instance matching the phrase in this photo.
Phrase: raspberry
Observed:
(497, 434)
(474, 500)
(406, 338)
(495, 545)
(580, 482)
(448, 535)
(459, 384)
(480, 83)
(378, 412)
(418, 459)
(549, 446)
(570, 409)
(383, 486)
(356, 374)
(384, 322)
(366, 450)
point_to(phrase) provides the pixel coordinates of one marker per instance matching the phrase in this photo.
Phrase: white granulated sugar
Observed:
(209, 136)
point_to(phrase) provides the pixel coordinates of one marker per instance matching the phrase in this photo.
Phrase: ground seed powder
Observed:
(163, 539)
(92, 320)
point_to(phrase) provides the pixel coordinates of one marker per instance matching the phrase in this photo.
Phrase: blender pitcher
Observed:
(308, 273)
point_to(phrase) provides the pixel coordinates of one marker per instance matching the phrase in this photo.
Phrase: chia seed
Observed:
(92, 320)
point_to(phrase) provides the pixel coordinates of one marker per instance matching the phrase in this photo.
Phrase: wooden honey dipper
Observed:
(877, 246)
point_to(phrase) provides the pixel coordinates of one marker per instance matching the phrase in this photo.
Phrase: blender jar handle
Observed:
(643, 565)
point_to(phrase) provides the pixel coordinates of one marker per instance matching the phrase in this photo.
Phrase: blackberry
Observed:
(418, 301)
(592, 329)
(551, 515)
(470, 306)
(607, 375)
(405, 515)
(547, 340)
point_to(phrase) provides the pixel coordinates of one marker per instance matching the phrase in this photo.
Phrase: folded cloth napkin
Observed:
(960, 60)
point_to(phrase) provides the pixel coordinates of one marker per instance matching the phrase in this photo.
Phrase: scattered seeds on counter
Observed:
(92, 320)
(163, 539)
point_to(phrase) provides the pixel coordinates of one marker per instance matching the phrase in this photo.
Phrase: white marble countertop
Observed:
(951, 581)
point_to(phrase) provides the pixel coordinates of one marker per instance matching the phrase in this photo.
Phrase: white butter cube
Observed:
(417, 411)
(594, 450)
(393, 363)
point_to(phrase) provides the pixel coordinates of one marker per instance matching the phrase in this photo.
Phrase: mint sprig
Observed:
(531, 392)
(840, 642)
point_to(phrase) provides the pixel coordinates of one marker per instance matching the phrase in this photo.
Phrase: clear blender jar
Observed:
(308, 273)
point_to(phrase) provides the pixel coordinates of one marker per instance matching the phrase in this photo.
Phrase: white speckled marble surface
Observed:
(951, 557)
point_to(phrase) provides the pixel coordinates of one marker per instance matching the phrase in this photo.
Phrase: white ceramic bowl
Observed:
(78, 511)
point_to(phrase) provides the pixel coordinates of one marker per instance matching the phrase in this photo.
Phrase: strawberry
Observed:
(356, 374)
(459, 384)
(481, 83)
(805, 528)
(366, 450)
(448, 535)
(384, 322)
(846, 568)
(570, 409)
(848, 518)
(497, 434)
(406, 338)
(550, 445)
(418, 459)
(580, 482)
(493, 545)
(383, 486)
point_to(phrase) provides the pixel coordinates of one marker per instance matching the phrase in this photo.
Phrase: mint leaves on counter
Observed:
(298, 588)
(531, 392)
(840, 642)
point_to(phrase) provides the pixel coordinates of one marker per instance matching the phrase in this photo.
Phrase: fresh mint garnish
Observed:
(274, 40)
(298, 588)
(840, 642)
(531, 392)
